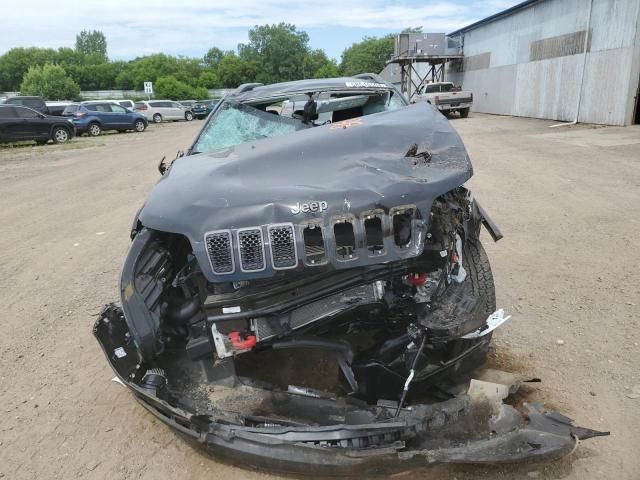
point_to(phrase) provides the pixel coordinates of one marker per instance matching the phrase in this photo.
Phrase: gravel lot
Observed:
(568, 269)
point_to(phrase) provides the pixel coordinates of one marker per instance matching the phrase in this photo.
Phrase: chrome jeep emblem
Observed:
(319, 206)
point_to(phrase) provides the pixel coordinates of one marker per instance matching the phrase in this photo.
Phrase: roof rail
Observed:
(245, 87)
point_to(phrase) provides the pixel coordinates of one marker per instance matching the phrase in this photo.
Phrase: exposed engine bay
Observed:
(306, 289)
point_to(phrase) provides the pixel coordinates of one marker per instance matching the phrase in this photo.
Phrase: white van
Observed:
(159, 110)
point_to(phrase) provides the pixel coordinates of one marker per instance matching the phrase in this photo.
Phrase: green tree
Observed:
(233, 71)
(152, 67)
(278, 50)
(100, 76)
(328, 70)
(50, 82)
(370, 55)
(188, 70)
(92, 43)
(213, 57)
(15, 63)
(171, 87)
(316, 64)
(208, 79)
(124, 80)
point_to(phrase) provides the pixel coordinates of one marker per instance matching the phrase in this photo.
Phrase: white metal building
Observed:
(556, 59)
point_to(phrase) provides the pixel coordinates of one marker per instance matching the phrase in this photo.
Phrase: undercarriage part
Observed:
(300, 430)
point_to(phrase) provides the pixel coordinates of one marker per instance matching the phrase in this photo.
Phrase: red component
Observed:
(454, 257)
(239, 344)
(417, 279)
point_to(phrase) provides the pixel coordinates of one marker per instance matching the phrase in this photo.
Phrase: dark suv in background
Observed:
(18, 123)
(36, 103)
(202, 108)
(95, 117)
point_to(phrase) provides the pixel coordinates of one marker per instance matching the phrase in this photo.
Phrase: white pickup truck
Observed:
(446, 97)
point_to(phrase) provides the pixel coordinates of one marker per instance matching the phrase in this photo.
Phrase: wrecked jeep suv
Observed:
(306, 290)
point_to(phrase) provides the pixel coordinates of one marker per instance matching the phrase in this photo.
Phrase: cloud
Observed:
(137, 28)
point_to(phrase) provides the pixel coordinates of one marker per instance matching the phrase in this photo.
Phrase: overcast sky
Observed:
(191, 27)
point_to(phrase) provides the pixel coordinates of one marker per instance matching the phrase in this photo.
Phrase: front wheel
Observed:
(464, 112)
(60, 135)
(139, 126)
(188, 116)
(476, 263)
(157, 118)
(94, 129)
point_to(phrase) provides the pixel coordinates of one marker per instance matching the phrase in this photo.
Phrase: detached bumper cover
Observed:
(474, 426)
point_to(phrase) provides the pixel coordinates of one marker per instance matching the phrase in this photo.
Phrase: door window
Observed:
(175, 105)
(117, 109)
(27, 113)
(7, 112)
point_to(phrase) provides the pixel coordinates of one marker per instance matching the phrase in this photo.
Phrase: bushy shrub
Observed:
(51, 82)
(172, 88)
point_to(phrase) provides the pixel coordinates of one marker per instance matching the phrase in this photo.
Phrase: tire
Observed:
(464, 112)
(60, 135)
(94, 129)
(157, 118)
(139, 126)
(188, 116)
(476, 263)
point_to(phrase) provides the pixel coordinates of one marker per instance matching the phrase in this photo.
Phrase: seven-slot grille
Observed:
(246, 246)
(251, 248)
(220, 254)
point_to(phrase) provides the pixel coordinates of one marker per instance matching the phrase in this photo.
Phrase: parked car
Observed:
(446, 97)
(187, 103)
(163, 110)
(56, 108)
(130, 104)
(95, 117)
(18, 123)
(202, 108)
(36, 103)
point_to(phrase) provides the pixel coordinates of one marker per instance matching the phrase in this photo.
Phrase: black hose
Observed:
(410, 377)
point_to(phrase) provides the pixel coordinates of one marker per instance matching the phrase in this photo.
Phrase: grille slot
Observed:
(314, 252)
(283, 246)
(402, 227)
(345, 240)
(373, 232)
(219, 250)
(251, 248)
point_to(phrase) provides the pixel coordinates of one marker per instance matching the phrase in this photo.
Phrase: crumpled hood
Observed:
(353, 166)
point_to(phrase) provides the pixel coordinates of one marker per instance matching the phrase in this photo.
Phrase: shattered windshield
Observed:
(236, 123)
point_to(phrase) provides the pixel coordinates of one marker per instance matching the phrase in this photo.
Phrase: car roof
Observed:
(304, 86)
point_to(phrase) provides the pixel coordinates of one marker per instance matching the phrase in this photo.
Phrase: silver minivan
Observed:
(163, 110)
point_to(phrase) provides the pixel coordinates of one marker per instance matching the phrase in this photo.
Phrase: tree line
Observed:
(274, 53)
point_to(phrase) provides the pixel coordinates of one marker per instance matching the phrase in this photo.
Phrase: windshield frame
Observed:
(285, 96)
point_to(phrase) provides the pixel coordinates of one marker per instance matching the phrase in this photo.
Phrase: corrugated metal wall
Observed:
(535, 60)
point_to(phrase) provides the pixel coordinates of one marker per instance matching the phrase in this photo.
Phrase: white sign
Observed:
(148, 88)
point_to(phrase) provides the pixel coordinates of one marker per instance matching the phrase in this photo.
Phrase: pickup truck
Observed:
(446, 97)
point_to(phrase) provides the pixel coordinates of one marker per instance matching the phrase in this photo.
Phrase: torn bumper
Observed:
(346, 436)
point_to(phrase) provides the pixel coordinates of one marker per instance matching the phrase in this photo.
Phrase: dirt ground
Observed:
(568, 270)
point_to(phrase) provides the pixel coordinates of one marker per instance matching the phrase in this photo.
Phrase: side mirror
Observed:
(42, 115)
(162, 167)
